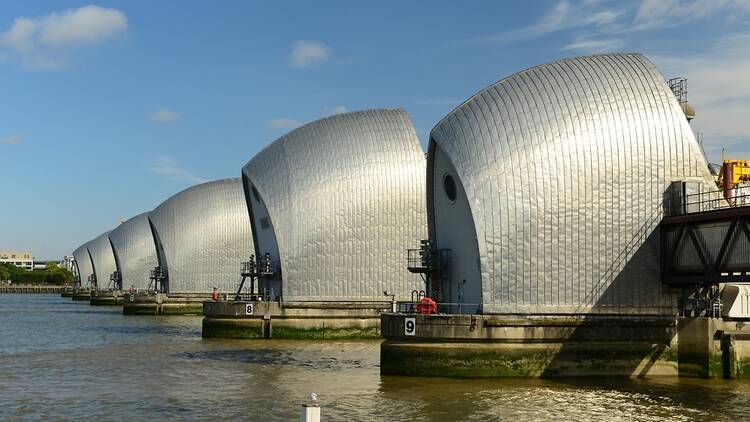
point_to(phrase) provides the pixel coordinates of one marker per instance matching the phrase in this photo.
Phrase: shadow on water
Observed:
(88, 311)
(162, 330)
(277, 357)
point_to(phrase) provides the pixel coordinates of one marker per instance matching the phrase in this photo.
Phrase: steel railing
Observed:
(704, 201)
(410, 307)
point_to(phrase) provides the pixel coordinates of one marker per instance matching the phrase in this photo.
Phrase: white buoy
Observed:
(311, 410)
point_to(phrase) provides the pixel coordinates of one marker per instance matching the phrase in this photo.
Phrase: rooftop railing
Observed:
(704, 202)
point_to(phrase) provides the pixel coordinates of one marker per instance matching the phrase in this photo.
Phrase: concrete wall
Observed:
(540, 346)
(502, 346)
(293, 320)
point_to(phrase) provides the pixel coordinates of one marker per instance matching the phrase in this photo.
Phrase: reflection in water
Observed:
(62, 359)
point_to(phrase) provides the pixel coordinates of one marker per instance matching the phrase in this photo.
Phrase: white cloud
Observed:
(653, 14)
(20, 35)
(336, 110)
(595, 20)
(14, 139)
(590, 45)
(170, 169)
(563, 15)
(46, 41)
(164, 115)
(308, 53)
(718, 80)
(719, 89)
(85, 25)
(284, 123)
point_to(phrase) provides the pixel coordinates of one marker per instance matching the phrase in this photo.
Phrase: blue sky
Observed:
(108, 108)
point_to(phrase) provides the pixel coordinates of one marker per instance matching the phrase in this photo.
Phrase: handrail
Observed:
(695, 202)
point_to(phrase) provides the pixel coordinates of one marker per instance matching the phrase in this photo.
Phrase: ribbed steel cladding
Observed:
(565, 163)
(205, 233)
(346, 198)
(135, 250)
(83, 263)
(103, 259)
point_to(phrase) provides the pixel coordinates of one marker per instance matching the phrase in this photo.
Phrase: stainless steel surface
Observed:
(103, 259)
(564, 166)
(205, 234)
(135, 251)
(346, 198)
(83, 263)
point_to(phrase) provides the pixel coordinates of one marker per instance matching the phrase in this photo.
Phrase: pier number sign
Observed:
(410, 326)
(249, 308)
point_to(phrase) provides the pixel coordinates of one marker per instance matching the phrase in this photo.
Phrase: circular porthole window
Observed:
(450, 187)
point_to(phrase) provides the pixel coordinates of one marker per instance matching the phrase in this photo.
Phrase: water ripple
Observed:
(67, 361)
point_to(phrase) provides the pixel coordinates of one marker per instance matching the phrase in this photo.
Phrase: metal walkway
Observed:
(706, 240)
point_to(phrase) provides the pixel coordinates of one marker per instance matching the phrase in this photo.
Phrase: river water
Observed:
(67, 360)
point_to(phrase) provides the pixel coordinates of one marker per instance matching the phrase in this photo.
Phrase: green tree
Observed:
(52, 274)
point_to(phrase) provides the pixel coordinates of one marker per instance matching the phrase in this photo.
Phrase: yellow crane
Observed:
(733, 172)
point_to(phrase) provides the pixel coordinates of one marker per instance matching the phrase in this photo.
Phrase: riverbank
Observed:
(30, 289)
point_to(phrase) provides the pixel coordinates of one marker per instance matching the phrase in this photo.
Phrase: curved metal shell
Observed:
(564, 168)
(103, 259)
(135, 251)
(84, 265)
(203, 233)
(345, 199)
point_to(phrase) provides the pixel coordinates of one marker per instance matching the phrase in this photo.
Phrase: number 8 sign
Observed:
(410, 326)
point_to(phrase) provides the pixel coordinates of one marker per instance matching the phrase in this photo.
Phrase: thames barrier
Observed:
(443, 211)
(564, 222)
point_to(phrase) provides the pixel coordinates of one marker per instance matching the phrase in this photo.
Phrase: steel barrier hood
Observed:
(344, 197)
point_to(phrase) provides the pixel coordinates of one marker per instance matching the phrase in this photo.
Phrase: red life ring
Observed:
(427, 306)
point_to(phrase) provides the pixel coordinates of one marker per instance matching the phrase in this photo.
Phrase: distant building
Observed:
(68, 262)
(23, 260)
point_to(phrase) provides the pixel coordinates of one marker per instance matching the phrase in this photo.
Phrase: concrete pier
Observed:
(714, 348)
(293, 320)
(543, 346)
(81, 294)
(66, 291)
(107, 298)
(151, 303)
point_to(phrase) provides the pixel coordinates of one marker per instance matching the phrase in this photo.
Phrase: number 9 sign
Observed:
(410, 326)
